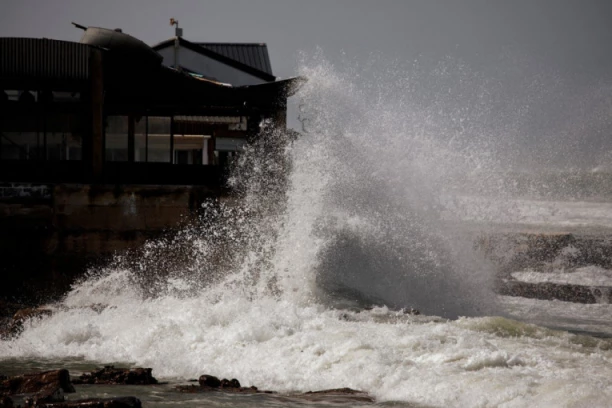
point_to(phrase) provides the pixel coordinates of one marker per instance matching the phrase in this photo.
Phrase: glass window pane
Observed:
(190, 149)
(64, 136)
(140, 139)
(116, 138)
(20, 138)
(159, 139)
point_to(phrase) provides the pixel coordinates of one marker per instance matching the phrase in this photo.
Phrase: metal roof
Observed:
(250, 58)
(254, 55)
(43, 58)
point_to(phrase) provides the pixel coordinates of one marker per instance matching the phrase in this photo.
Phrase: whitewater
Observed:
(307, 281)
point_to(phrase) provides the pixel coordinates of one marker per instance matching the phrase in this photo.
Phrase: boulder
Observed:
(112, 375)
(210, 383)
(47, 382)
(15, 326)
(40, 388)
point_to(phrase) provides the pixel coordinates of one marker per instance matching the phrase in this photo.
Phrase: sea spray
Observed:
(380, 232)
(299, 284)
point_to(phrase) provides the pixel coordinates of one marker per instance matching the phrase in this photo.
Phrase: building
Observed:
(104, 143)
(238, 64)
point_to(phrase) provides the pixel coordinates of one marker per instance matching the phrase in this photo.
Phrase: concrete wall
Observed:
(50, 234)
(209, 67)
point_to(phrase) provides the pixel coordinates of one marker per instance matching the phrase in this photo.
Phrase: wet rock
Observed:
(552, 291)
(118, 402)
(195, 389)
(336, 395)
(411, 311)
(233, 383)
(15, 326)
(6, 402)
(30, 313)
(45, 383)
(112, 375)
(39, 388)
(210, 383)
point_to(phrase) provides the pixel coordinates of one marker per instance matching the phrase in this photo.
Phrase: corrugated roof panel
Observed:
(43, 58)
(253, 55)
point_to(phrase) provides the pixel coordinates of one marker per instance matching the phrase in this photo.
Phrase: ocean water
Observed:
(303, 284)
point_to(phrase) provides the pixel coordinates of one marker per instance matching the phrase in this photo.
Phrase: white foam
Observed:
(585, 276)
(279, 345)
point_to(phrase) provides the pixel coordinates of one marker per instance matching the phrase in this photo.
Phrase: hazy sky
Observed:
(573, 36)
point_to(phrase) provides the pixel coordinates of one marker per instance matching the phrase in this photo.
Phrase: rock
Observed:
(15, 326)
(112, 375)
(41, 388)
(553, 291)
(195, 389)
(6, 402)
(47, 383)
(118, 402)
(233, 383)
(411, 311)
(30, 313)
(209, 381)
(336, 395)
(48, 394)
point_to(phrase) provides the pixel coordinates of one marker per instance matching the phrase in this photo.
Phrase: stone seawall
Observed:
(49, 234)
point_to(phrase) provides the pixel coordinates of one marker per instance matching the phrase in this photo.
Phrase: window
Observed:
(64, 136)
(159, 139)
(191, 140)
(116, 138)
(21, 137)
(191, 149)
(140, 139)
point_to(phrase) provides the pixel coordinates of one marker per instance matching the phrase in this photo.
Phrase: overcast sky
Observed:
(547, 39)
(574, 36)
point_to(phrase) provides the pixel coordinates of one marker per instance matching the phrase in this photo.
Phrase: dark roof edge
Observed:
(259, 44)
(55, 41)
(289, 86)
(221, 58)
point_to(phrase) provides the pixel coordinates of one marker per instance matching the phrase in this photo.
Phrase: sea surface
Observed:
(307, 282)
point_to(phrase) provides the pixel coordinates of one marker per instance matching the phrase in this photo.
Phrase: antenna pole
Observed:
(178, 33)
